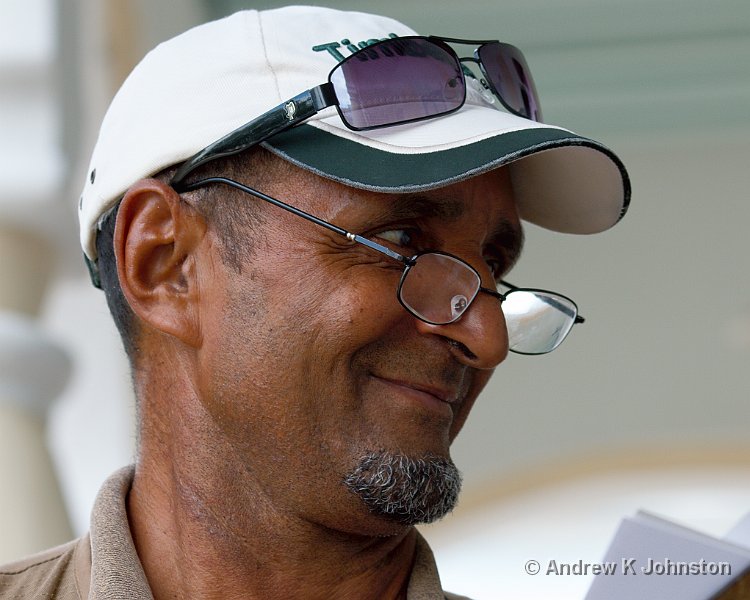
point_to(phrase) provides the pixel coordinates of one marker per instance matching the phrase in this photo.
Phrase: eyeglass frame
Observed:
(301, 107)
(408, 262)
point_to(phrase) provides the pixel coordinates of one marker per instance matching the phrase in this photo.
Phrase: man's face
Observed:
(309, 365)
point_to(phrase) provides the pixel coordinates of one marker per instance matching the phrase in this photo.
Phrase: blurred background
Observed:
(645, 406)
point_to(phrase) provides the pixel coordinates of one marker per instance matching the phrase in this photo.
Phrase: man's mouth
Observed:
(444, 395)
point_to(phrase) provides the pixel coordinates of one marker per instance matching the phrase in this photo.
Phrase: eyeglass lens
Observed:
(537, 321)
(507, 71)
(396, 81)
(438, 288)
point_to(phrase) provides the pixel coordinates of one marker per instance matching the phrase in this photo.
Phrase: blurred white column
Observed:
(33, 368)
(33, 371)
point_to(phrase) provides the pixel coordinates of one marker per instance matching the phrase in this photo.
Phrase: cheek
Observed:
(282, 371)
(289, 328)
(332, 305)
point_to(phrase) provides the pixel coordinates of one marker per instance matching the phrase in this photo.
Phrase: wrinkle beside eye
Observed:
(346, 255)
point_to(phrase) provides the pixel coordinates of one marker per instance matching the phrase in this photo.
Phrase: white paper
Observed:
(654, 559)
(740, 533)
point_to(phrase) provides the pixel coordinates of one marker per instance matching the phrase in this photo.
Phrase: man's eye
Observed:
(399, 237)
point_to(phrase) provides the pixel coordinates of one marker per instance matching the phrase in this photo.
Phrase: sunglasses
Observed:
(394, 81)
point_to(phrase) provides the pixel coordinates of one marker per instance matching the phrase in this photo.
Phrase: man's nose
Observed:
(480, 336)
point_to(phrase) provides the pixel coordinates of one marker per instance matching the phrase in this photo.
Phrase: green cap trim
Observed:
(364, 167)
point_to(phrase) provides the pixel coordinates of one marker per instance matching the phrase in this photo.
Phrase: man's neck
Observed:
(193, 542)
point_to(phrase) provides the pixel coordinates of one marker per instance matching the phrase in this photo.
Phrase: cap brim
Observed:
(562, 181)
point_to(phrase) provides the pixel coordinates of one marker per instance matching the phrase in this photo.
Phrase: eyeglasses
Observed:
(395, 81)
(438, 288)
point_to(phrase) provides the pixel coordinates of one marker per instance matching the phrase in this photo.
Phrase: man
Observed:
(300, 218)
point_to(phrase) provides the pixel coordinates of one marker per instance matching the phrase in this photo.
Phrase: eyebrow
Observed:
(413, 206)
(506, 233)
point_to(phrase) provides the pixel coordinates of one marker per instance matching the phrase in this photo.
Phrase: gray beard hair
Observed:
(406, 490)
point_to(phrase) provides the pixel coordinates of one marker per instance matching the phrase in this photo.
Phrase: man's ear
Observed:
(155, 243)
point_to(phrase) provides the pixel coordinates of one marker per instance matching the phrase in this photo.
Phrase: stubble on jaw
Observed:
(404, 489)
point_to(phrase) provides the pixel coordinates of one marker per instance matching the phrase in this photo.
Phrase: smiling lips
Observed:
(451, 396)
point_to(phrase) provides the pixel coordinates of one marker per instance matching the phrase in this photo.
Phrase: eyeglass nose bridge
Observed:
(481, 85)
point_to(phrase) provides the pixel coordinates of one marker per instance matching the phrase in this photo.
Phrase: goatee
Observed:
(405, 489)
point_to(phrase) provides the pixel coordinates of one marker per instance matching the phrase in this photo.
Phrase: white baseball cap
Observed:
(203, 84)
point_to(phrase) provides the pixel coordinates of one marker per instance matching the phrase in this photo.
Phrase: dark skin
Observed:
(260, 390)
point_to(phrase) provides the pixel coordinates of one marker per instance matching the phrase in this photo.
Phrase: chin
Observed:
(405, 490)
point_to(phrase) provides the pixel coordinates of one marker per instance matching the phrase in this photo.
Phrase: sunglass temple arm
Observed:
(285, 115)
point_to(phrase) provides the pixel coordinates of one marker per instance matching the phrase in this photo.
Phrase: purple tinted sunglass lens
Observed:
(509, 74)
(396, 81)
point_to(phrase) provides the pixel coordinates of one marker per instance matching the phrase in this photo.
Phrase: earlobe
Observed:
(156, 239)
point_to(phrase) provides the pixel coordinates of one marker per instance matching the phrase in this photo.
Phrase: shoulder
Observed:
(49, 574)
(449, 596)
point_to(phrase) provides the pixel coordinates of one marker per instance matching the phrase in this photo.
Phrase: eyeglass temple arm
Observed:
(353, 237)
(285, 115)
(551, 301)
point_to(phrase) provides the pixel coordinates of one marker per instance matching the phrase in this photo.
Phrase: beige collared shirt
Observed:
(103, 564)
